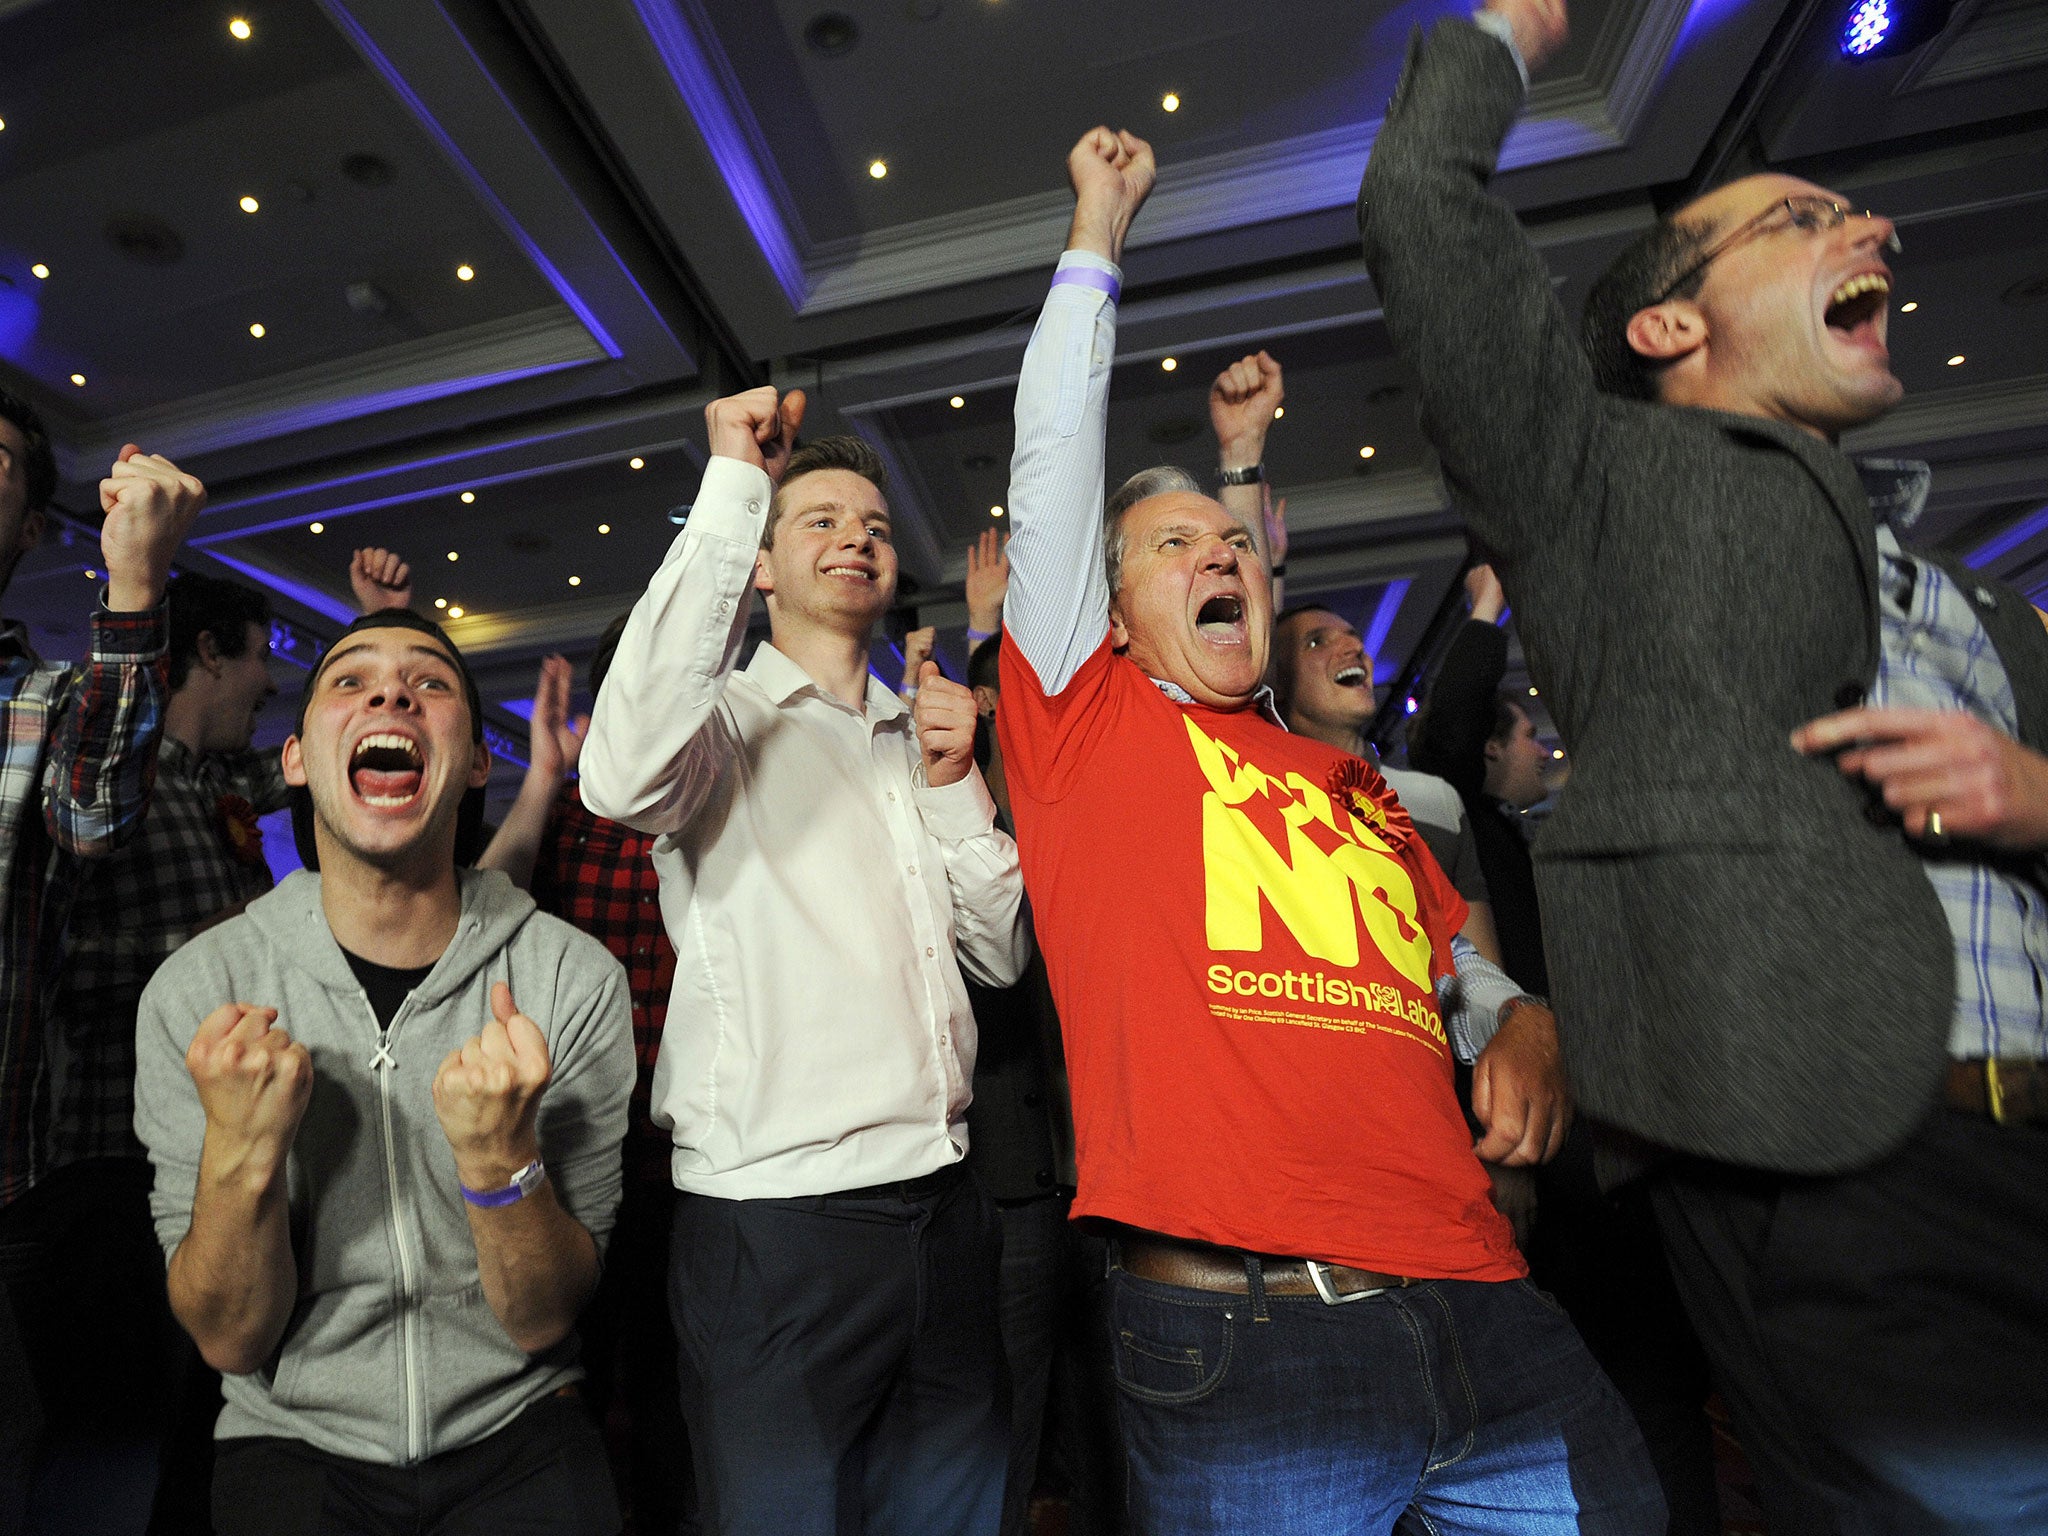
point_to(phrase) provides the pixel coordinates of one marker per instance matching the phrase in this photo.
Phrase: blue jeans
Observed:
(1471, 1407)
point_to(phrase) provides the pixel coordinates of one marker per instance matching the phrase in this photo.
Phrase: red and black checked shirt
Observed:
(198, 853)
(599, 876)
(77, 752)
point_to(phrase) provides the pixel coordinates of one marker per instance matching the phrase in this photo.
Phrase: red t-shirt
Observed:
(1242, 930)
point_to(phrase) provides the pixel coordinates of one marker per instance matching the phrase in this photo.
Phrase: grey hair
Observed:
(1160, 480)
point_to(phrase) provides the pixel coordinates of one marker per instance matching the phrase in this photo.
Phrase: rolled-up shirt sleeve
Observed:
(1473, 998)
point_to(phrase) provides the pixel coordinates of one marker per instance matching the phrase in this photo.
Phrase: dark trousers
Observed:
(1035, 1308)
(544, 1474)
(629, 1360)
(1600, 1255)
(94, 1368)
(1881, 1338)
(841, 1362)
(1457, 1408)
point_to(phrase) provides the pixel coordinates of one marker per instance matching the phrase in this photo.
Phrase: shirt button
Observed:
(913, 869)
(929, 952)
(753, 507)
(892, 796)
(1849, 695)
(724, 607)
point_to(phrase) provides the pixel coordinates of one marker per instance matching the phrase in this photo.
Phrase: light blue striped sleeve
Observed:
(1472, 999)
(1057, 609)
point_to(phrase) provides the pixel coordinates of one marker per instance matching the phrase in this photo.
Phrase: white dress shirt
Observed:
(816, 889)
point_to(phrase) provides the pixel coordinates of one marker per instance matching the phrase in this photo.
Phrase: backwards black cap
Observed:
(469, 819)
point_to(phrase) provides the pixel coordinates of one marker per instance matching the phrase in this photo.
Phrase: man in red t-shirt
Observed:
(1319, 1319)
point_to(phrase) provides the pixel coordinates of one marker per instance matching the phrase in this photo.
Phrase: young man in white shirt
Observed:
(826, 871)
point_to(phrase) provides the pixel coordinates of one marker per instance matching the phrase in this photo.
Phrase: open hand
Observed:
(555, 741)
(1947, 773)
(988, 581)
(945, 717)
(487, 1095)
(757, 428)
(380, 580)
(149, 505)
(254, 1083)
(1519, 1095)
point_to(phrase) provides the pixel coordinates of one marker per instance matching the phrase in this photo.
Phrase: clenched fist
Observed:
(1112, 175)
(945, 717)
(380, 580)
(757, 428)
(254, 1082)
(1539, 28)
(1241, 406)
(149, 505)
(487, 1095)
(918, 646)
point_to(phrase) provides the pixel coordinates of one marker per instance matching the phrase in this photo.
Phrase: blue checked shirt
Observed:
(1934, 654)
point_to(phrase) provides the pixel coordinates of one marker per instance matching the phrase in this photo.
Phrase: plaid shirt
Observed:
(1934, 654)
(199, 852)
(77, 750)
(599, 876)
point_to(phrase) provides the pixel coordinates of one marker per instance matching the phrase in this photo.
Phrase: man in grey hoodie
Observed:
(383, 1185)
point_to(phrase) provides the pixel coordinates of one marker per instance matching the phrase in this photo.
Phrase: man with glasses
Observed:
(1814, 983)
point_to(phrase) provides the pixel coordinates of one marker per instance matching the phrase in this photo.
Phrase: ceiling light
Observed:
(878, 169)
(1279, 411)
(440, 602)
(257, 331)
(79, 378)
(468, 498)
(575, 581)
(452, 555)
(316, 527)
(40, 270)
(3, 125)
(636, 463)
(464, 273)
(995, 511)
(250, 205)
(604, 527)
(1168, 364)
(238, 29)
(1557, 752)
(454, 613)
(1367, 451)
(91, 575)
(1169, 102)
(1909, 306)
(1956, 361)
(957, 401)
(1875, 29)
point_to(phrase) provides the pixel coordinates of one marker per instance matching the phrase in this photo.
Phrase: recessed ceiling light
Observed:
(452, 555)
(78, 379)
(1532, 693)
(1956, 361)
(250, 205)
(1169, 364)
(455, 613)
(957, 401)
(3, 125)
(995, 511)
(636, 463)
(1367, 451)
(440, 602)
(464, 273)
(575, 581)
(257, 330)
(604, 527)
(91, 575)
(468, 497)
(238, 29)
(1279, 411)
(1169, 102)
(878, 169)
(1557, 752)
(40, 270)
(1909, 306)
(316, 527)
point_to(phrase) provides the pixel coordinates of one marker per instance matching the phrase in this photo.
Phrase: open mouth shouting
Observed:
(1856, 310)
(1220, 620)
(386, 770)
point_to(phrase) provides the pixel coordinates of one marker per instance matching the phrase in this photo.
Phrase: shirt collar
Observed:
(1897, 489)
(1262, 701)
(782, 680)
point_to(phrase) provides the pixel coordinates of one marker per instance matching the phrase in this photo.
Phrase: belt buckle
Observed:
(1319, 1275)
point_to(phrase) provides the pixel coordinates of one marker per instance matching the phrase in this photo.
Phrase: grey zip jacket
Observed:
(392, 1354)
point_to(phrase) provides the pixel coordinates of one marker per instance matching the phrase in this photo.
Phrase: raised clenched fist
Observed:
(1112, 173)
(757, 427)
(380, 580)
(254, 1082)
(1539, 28)
(149, 505)
(487, 1095)
(945, 716)
(1241, 406)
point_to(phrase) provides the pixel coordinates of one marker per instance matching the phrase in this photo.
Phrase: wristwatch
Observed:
(1251, 474)
(524, 1183)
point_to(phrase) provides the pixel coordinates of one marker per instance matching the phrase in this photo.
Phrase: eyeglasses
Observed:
(1808, 215)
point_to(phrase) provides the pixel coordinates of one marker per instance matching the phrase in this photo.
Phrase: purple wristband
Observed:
(1089, 277)
(524, 1183)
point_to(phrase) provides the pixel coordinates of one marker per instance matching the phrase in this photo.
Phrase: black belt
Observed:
(923, 1187)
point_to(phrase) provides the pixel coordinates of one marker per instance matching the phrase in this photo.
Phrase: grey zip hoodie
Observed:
(392, 1354)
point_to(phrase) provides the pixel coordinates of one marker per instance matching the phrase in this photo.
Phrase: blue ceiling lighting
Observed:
(1867, 25)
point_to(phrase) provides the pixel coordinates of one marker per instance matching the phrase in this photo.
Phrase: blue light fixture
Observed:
(1867, 25)
(1877, 29)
